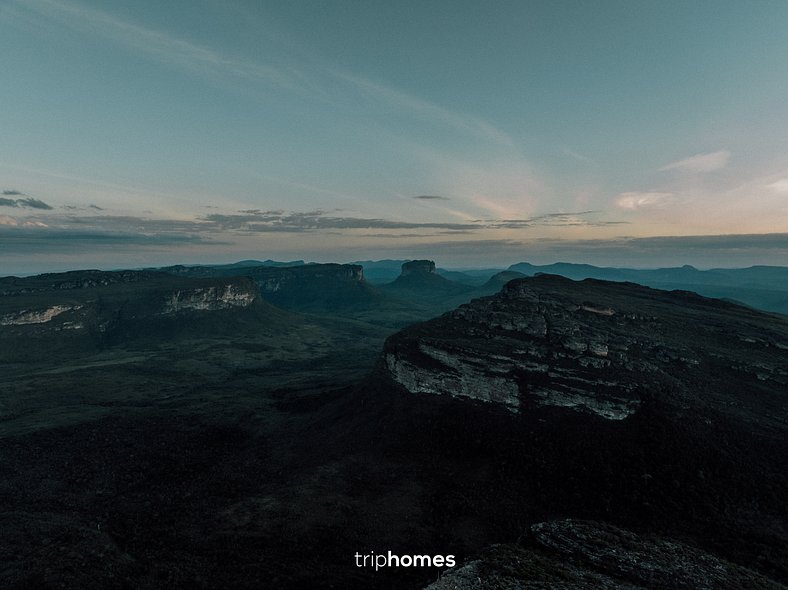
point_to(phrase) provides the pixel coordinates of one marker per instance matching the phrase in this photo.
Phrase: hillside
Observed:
(763, 287)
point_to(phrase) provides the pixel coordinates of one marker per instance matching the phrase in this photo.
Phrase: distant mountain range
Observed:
(763, 287)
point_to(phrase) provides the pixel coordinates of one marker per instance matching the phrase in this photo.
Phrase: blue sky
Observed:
(135, 134)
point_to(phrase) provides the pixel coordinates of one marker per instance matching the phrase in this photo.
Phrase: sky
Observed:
(615, 132)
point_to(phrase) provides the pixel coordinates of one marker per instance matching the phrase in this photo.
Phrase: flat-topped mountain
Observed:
(417, 267)
(418, 279)
(657, 411)
(213, 270)
(316, 287)
(596, 346)
(71, 313)
(301, 287)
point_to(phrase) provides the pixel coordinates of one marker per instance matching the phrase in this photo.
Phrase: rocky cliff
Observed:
(593, 346)
(81, 310)
(273, 280)
(419, 280)
(418, 266)
(652, 410)
(588, 555)
(315, 287)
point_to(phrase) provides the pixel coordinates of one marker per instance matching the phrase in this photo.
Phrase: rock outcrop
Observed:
(588, 555)
(590, 346)
(418, 266)
(315, 287)
(419, 280)
(273, 280)
(82, 310)
(209, 298)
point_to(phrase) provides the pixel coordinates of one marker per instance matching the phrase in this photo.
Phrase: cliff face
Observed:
(272, 280)
(420, 281)
(213, 298)
(418, 266)
(78, 311)
(592, 346)
(315, 287)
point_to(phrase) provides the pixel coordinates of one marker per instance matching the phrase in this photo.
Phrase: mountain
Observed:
(313, 288)
(764, 287)
(596, 345)
(418, 279)
(221, 270)
(496, 282)
(556, 434)
(75, 312)
(661, 412)
(380, 271)
(316, 287)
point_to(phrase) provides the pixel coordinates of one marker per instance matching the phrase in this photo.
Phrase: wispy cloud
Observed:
(633, 201)
(30, 239)
(427, 110)
(577, 219)
(701, 162)
(431, 198)
(780, 186)
(579, 157)
(28, 202)
(278, 221)
(160, 45)
(302, 76)
(219, 228)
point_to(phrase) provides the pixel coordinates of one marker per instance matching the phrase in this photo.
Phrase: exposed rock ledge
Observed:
(42, 316)
(592, 346)
(209, 299)
(588, 555)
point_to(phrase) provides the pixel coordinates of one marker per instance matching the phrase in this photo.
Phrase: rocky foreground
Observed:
(588, 555)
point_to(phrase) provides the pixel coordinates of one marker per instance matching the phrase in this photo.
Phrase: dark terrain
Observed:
(249, 427)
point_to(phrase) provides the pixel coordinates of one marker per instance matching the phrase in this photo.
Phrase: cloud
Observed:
(254, 220)
(579, 218)
(33, 203)
(432, 198)
(780, 186)
(300, 76)
(90, 234)
(579, 157)
(27, 238)
(700, 162)
(278, 221)
(159, 45)
(13, 194)
(429, 111)
(633, 201)
(29, 202)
